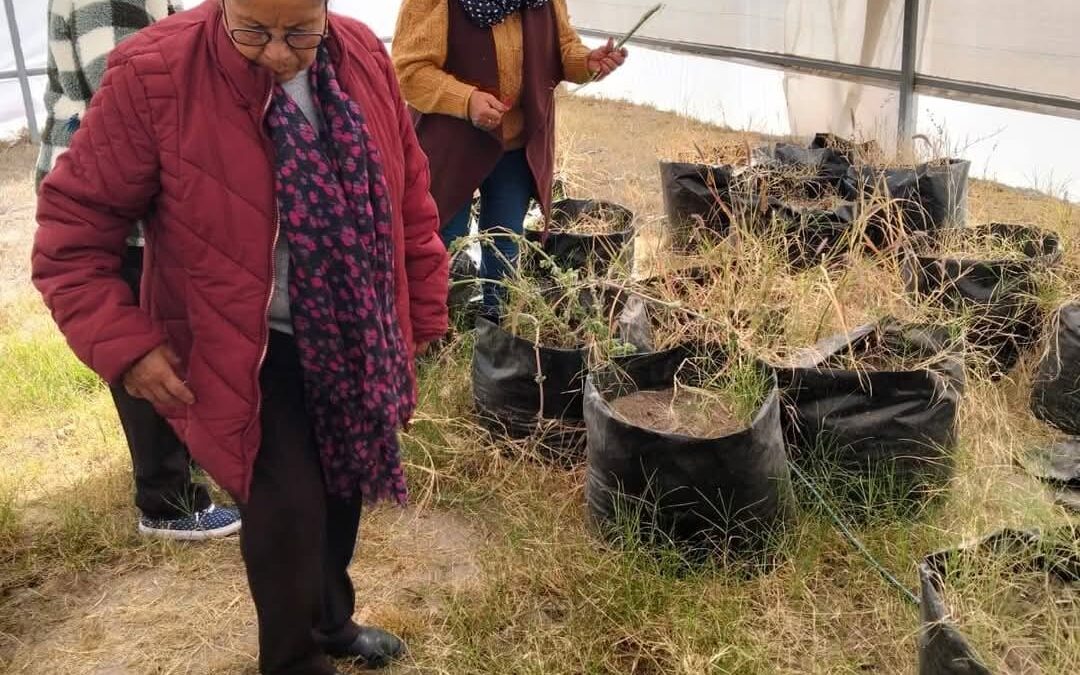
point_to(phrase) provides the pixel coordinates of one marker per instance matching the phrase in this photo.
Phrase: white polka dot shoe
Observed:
(211, 523)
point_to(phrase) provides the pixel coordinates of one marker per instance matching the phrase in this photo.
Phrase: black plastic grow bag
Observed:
(465, 293)
(927, 197)
(1059, 466)
(899, 427)
(997, 295)
(527, 391)
(570, 250)
(815, 236)
(1055, 397)
(815, 231)
(530, 392)
(695, 197)
(704, 494)
(943, 649)
(828, 156)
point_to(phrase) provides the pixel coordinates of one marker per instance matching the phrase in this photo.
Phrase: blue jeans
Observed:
(504, 201)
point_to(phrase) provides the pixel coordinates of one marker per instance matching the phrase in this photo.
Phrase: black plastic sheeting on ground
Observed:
(999, 296)
(695, 197)
(1059, 466)
(731, 493)
(527, 391)
(895, 426)
(943, 649)
(1055, 396)
(570, 250)
(928, 197)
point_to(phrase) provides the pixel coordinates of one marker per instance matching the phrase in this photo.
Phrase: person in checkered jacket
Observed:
(82, 33)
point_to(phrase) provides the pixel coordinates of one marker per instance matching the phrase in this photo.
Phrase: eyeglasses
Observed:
(252, 37)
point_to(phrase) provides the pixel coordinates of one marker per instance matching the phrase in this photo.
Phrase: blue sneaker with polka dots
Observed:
(213, 522)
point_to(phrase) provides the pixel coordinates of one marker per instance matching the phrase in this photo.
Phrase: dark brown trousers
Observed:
(297, 541)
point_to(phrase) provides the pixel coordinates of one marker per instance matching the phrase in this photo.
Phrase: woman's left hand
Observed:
(606, 60)
(421, 348)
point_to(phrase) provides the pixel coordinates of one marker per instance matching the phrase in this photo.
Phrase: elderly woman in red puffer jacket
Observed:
(293, 271)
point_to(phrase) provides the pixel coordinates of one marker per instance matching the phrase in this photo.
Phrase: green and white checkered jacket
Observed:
(82, 33)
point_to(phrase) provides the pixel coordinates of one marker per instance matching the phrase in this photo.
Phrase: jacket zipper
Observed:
(273, 273)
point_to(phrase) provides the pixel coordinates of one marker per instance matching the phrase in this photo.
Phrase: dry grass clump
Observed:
(879, 354)
(731, 152)
(961, 243)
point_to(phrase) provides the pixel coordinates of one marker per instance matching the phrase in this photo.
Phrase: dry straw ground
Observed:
(492, 570)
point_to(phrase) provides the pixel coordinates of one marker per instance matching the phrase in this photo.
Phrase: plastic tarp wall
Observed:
(860, 32)
(1020, 45)
(1023, 45)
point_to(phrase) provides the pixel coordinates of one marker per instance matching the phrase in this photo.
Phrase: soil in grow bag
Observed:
(989, 275)
(905, 200)
(696, 201)
(1055, 397)
(583, 234)
(705, 481)
(943, 649)
(875, 409)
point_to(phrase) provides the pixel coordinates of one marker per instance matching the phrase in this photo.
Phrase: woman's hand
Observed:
(486, 111)
(154, 378)
(606, 60)
(422, 348)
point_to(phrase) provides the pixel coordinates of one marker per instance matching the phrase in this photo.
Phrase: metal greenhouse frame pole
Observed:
(21, 72)
(909, 112)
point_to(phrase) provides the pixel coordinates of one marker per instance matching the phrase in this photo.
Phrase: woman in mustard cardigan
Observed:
(480, 76)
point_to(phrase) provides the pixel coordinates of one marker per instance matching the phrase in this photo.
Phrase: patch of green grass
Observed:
(41, 374)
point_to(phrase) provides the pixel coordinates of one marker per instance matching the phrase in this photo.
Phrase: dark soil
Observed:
(688, 414)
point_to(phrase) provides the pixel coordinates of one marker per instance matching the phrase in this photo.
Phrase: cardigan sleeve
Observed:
(420, 48)
(575, 54)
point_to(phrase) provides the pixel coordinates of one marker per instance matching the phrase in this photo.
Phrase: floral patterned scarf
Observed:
(334, 211)
(487, 13)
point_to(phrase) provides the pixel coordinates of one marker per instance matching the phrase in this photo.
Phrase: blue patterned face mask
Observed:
(487, 13)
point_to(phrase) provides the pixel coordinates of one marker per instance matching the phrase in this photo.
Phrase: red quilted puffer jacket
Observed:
(176, 136)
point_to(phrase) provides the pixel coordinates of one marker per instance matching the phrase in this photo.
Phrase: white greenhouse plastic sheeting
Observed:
(31, 20)
(993, 41)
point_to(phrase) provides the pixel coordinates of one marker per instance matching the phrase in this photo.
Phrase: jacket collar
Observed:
(253, 84)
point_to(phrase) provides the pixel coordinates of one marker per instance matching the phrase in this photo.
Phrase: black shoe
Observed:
(373, 647)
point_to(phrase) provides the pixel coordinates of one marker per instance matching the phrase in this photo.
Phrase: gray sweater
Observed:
(299, 90)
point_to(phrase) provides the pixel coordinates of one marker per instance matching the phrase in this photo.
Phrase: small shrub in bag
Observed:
(584, 234)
